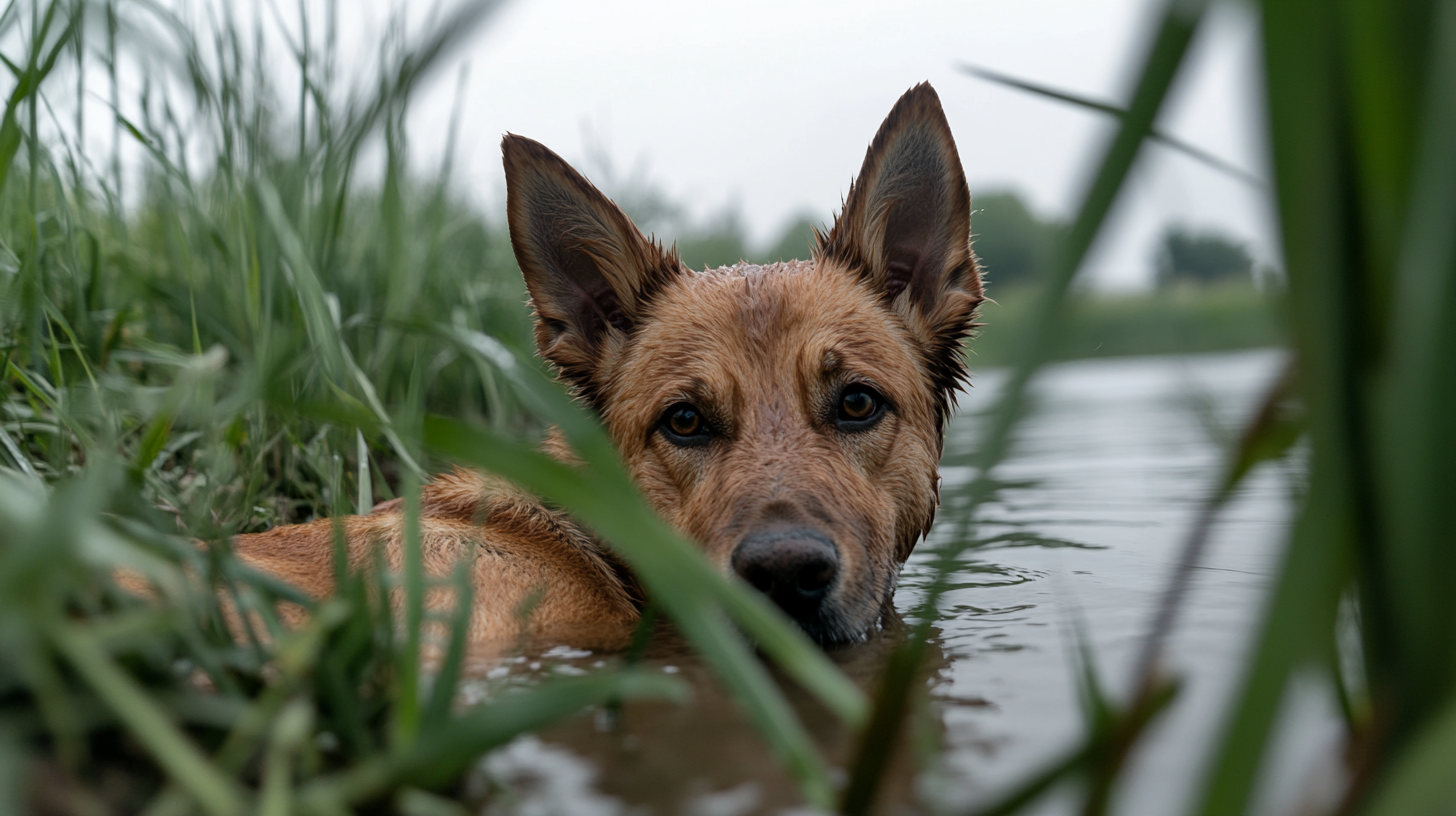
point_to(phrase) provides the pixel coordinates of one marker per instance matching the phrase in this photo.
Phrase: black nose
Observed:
(795, 567)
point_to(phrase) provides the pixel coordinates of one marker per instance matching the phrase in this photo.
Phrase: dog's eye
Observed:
(859, 407)
(683, 425)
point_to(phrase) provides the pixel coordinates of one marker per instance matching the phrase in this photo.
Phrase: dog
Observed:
(788, 417)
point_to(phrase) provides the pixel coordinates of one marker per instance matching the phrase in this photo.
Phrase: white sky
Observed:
(769, 104)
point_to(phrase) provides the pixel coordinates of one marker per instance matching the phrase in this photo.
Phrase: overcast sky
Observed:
(768, 105)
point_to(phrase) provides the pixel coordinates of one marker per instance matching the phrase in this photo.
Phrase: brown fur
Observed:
(764, 354)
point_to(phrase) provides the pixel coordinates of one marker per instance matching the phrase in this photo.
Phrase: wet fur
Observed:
(762, 351)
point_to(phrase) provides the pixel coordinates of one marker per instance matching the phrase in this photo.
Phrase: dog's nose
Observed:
(795, 567)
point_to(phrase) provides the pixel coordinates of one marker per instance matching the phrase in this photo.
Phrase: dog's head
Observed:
(788, 417)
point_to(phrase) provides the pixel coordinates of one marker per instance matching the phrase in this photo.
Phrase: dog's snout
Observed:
(794, 567)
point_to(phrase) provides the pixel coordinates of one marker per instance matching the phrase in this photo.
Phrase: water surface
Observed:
(1100, 492)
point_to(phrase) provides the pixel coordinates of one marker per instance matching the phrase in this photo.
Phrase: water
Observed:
(1102, 489)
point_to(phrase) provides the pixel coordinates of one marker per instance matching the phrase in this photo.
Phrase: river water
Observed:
(1102, 488)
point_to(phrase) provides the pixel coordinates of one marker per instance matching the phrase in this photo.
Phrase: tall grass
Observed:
(250, 329)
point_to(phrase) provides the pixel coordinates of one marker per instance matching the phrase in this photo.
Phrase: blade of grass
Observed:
(216, 793)
(407, 704)
(1300, 615)
(1418, 780)
(892, 701)
(1327, 257)
(1416, 434)
(290, 729)
(447, 677)
(1274, 428)
(319, 320)
(1177, 24)
(1192, 151)
(365, 501)
(452, 747)
(27, 84)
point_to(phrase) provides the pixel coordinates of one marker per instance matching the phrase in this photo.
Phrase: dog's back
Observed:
(534, 570)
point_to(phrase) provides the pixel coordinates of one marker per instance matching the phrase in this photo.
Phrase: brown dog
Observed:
(787, 417)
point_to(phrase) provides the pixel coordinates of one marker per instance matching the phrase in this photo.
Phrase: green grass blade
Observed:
(1192, 151)
(1324, 251)
(320, 322)
(1417, 450)
(1418, 779)
(878, 738)
(365, 502)
(407, 704)
(1177, 24)
(447, 678)
(1296, 629)
(1179, 20)
(216, 793)
(451, 748)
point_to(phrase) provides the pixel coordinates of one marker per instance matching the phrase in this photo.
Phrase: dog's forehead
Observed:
(751, 317)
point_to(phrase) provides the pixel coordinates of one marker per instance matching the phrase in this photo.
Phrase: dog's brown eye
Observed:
(683, 425)
(685, 422)
(859, 407)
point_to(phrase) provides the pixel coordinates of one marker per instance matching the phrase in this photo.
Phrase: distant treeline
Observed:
(1013, 243)
(1204, 297)
(1182, 320)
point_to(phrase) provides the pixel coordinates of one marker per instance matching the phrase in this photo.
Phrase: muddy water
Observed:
(1101, 490)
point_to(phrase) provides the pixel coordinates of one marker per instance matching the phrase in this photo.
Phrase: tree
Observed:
(795, 243)
(1201, 258)
(718, 242)
(1013, 245)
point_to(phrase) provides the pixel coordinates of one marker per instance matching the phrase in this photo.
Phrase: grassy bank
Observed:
(1180, 321)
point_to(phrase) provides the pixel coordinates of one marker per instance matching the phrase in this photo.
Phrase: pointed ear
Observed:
(589, 270)
(906, 228)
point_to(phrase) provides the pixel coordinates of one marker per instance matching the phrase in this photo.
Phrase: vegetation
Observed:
(1201, 259)
(1015, 247)
(1186, 320)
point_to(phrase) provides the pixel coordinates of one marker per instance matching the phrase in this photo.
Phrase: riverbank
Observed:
(1182, 321)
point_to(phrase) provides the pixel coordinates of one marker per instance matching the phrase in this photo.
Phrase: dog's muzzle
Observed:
(794, 566)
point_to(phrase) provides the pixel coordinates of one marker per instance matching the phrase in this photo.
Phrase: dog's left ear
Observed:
(590, 272)
(906, 230)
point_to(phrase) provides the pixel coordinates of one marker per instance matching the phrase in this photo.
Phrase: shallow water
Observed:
(1102, 488)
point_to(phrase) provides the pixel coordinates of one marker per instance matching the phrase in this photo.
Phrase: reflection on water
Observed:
(1082, 533)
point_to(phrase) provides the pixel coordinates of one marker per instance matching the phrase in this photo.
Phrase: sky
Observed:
(768, 105)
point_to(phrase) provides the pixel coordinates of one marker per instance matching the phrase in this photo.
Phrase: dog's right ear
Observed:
(589, 270)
